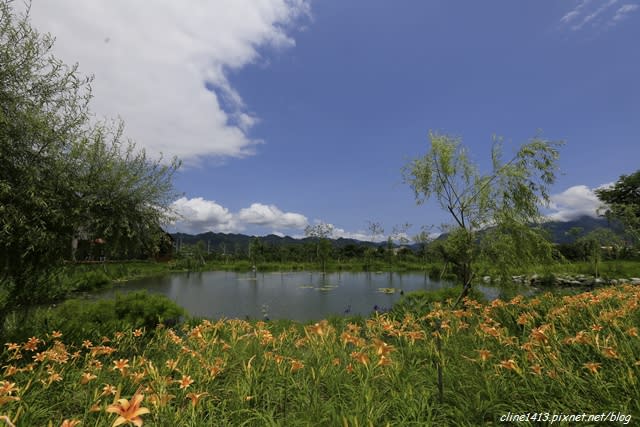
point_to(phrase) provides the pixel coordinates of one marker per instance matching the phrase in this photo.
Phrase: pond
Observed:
(292, 295)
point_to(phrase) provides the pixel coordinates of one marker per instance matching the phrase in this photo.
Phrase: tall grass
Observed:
(555, 354)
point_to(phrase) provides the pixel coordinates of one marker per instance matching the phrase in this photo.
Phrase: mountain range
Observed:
(558, 230)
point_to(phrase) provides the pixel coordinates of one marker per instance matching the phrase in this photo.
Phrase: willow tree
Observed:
(494, 214)
(59, 172)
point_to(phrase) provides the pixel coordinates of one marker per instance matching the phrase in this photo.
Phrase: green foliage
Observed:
(93, 280)
(79, 319)
(419, 302)
(44, 108)
(123, 196)
(505, 199)
(321, 233)
(60, 175)
(623, 202)
(550, 353)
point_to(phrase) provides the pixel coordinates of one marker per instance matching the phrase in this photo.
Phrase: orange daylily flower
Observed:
(172, 364)
(54, 376)
(381, 347)
(109, 389)
(632, 332)
(321, 329)
(10, 370)
(102, 349)
(138, 333)
(121, 365)
(539, 335)
(32, 344)
(384, 361)
(509, 364)
(296, 365)
(160, 399)
(40, 357)
(86, 377)
(610, 352)
(185, 381)
(592, 367)
(11, 346)
(7, 388)
(347, 338)
(536, 369)
(414, 335)
(56, 334)
(70, 423)
(136, 377)
(360, 357)
(195, 397)
(128, 411)
(484, 354)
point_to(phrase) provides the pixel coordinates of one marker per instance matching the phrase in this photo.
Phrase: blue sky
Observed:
(291, 112)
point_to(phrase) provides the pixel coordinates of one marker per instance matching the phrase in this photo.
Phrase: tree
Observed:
(376, 232)
(423, 239)
(121, 194)
(503, 203)
(622, 201)
(321, 233)
(592, 245)
(59, 174)
(43, 107)
(256, 251)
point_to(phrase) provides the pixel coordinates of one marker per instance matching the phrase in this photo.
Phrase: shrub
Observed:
(80, 319)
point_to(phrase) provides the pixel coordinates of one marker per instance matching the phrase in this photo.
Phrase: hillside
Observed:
(559, 233)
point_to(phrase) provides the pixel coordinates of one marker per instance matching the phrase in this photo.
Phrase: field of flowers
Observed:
(556, 354)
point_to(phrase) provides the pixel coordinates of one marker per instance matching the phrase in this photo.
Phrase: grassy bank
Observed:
(549, 354)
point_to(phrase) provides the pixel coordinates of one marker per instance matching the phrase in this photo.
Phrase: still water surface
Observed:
(292, 295)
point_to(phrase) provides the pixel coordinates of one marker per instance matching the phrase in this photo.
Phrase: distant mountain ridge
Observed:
(559, 231)
(230, 241)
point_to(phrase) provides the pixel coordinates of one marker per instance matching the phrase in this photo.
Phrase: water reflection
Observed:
(290, 295)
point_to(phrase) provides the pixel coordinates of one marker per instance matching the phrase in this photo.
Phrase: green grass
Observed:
(556, 354)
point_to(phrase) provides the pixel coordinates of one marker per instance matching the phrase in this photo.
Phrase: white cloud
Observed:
(570, 16)
(270, 215)
(623, 11)
(596, 13)
(198, 215)
(152, 62)
(574, 202)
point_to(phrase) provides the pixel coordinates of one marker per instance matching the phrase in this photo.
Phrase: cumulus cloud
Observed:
(270, 215)
(596, 13)
(198, 215)
(163, 67)
(574, 202)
